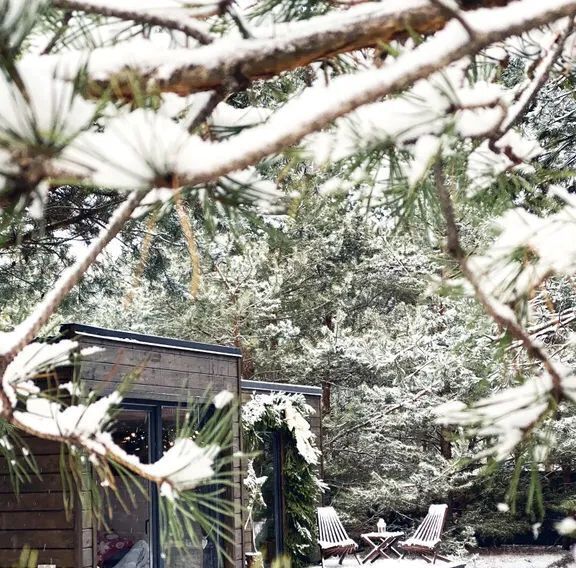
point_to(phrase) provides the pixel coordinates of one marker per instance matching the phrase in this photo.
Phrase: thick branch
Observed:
(320, 106)
(277, 49)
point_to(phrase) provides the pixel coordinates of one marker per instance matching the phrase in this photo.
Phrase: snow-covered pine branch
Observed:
(316, 107)
(53, 130)
(281, 48)
(85, 425)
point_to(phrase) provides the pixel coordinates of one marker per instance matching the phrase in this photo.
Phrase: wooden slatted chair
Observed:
(332, 537)
(425, 540)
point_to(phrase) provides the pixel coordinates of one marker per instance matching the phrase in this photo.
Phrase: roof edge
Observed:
(248, 384)
(70, 329)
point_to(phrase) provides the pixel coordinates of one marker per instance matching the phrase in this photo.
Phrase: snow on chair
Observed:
(427, 536)
(332, 537)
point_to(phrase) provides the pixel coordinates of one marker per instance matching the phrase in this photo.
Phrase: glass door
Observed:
(197, 549)
(125, 538)
(131, 535)
(268, 520)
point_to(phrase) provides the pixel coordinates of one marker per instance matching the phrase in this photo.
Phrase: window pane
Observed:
(197, 551)
(264, 516)
(125, 541)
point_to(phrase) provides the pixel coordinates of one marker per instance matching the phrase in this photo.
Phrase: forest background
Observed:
(328, 266)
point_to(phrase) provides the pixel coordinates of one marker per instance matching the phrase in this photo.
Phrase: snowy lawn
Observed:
(529, 558)
(350, 562)
(516, 559)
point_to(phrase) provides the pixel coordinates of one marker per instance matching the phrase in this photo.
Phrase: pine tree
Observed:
(126, 118)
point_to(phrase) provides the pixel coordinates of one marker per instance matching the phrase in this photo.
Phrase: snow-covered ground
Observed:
(532, 559)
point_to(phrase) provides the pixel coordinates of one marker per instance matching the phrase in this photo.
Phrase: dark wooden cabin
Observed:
(170, 372)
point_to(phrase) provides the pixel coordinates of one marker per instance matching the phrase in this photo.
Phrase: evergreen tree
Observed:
(133, 124)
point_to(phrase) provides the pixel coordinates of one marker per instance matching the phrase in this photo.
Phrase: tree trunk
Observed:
(445, 443)
(326, 392)
(566, 473)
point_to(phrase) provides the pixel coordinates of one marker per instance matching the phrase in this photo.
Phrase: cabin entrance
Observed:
(131, 535)
(268, 518)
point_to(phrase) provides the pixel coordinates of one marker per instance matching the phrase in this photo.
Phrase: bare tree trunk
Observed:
(445, 443)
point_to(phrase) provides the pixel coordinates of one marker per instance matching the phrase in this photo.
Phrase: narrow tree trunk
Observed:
(445, 443)
(566, 473)
(326, 392)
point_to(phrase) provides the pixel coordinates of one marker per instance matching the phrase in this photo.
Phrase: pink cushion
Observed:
(110, 544)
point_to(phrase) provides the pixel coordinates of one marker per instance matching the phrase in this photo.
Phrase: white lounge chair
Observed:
(426, 539)
(332, 537)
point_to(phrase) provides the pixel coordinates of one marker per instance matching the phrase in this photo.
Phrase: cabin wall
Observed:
(169, 375)
(37, 517)
(157, 373)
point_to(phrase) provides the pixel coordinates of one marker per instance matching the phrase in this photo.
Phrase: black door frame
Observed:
(155, 451)
(279, 513)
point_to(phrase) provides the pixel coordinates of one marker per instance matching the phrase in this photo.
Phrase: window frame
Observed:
(155, 452)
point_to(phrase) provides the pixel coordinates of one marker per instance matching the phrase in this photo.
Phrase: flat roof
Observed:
(72, 329)
(280, 387)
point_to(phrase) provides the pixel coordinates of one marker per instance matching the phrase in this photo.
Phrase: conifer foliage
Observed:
(310, 130)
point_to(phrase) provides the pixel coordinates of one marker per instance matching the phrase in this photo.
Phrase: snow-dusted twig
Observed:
(14, 341)
(499, 312)
(181, 19)
(559, 320)
(540, 75)
(547, 328)
(454, 13)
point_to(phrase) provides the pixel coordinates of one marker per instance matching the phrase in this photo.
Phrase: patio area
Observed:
(350, 562)
(488, 559)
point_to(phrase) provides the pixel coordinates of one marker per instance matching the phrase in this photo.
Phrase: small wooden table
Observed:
(382, 544)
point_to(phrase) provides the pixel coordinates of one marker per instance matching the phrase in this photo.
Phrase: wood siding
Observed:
(36, 518)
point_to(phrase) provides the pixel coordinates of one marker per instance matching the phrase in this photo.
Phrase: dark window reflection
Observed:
(264, 517)
(197, 551)
(125, 540)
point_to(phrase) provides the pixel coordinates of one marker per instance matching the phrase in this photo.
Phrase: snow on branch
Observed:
(528, 250)
(35, 358)
(144, 150)
(507, 415)
(317, 107)
(511, 414)
(85, 425)
(285, 47)
(551, 51)
(500, 312)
